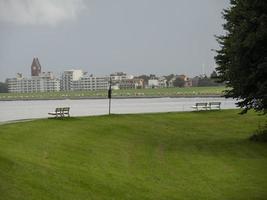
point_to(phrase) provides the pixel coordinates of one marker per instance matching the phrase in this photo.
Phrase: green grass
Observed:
(190, 91)
(196, 155)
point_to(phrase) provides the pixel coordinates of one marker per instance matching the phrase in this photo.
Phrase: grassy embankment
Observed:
(197, 155)
(161, 92)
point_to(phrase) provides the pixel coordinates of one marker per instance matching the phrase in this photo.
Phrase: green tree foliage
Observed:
(169, 78)
(3, 87)
(205, 82)
(214, 75)
(145, 78)
(178, 82)
(242, 57)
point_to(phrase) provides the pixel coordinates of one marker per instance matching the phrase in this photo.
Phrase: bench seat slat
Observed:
(210, 105)
(61, 112)
(202, 105)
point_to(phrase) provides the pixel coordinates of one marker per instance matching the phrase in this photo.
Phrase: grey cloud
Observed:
(39, 12)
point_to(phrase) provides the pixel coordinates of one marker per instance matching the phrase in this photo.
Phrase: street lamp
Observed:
(109, 95)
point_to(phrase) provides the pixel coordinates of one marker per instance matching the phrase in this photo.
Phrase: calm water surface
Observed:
(19, 110)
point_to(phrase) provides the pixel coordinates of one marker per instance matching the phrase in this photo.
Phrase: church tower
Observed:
(36, 67)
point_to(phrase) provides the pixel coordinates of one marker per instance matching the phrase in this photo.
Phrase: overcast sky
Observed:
(105, 36)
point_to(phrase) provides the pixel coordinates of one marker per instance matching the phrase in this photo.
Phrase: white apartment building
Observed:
(43, 83)
(153, 83)
(120, 76)
(68, 77)
(39, 82)
(49, 83)
(91, 83)
(131, 84)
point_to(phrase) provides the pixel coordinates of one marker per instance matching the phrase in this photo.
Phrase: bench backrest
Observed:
(58, 110)
(214, 103)
(66, 109)
(201, 104)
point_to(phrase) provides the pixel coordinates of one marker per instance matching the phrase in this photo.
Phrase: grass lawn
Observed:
(196, 155)
(190, 91)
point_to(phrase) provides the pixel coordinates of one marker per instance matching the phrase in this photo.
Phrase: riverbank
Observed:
(17, 110)
(119, 94)
(144, 156)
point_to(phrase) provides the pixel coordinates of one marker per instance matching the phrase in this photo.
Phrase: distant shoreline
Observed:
(116, 97)
(189, 92)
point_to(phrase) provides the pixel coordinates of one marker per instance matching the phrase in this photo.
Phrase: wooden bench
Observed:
(61, 112)
(214, 105)
(66, 111)
(200, 106)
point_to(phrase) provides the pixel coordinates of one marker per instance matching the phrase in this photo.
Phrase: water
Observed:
(20, 110)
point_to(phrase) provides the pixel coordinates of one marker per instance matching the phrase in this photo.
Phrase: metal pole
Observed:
(109, 106)
(109, 96)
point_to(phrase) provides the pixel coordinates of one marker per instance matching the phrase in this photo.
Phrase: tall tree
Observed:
(145, 78)
(3, 87)
(178, 82)
(242, 57)
(213, 75)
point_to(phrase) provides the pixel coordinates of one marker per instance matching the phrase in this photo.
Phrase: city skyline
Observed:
(78, 80)
(36, 69)
(139, 37)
